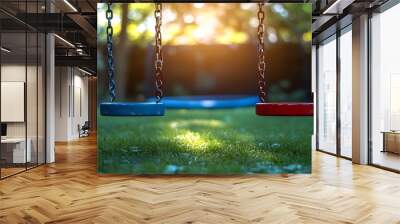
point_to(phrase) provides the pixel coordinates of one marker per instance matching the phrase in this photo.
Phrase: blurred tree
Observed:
(220, 23)
(200, 23)
(122, 48)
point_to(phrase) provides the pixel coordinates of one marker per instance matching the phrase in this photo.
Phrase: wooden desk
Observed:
(15, 148)
(391, 141)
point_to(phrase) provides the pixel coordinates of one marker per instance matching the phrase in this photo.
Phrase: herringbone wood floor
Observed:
(70, 191)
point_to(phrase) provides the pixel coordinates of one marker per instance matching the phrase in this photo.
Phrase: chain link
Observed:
(158, 63)
(110, 58)
(261, 57)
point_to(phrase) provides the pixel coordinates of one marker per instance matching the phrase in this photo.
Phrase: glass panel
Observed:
(327, 96)
(346, 94)
(13, 87)
(32, 87)
(31, 97)
(41, 99)
(23, 88)
(385, 84)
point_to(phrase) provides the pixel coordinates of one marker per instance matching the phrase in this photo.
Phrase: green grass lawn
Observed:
(229, 141)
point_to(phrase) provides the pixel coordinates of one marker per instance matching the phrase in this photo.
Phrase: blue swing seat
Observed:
(209, 101)
(120, 109)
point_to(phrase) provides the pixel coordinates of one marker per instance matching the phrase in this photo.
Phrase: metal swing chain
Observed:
(261, 57)
(110, 58)
(158, 63)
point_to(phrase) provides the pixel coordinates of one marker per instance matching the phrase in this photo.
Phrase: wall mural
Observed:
(204, 88)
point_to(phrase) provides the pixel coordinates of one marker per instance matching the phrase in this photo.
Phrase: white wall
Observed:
(62, 81)
(12, 73)
(13, 101)
(16, 73)
(71, 102)
(80, 111)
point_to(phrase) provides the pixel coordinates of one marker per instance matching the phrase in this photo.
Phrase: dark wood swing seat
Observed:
(285, 109)
(120, 109)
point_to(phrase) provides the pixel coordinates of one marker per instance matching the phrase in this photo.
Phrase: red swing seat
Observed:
(285, 109)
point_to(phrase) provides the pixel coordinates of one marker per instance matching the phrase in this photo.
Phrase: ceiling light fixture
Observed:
(84, 71)
(5, 50)
(65, 41)
(70, 5)
(337, 7)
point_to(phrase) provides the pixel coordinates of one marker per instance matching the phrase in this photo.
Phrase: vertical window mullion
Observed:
(37, 88)
(369, 77)
(317, 96)
(26, 86)
(338, 80)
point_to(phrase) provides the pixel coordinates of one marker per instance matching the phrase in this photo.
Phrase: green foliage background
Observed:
(289, 22)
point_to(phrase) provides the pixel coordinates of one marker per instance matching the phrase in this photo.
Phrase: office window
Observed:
(385, 89)
(327, 96)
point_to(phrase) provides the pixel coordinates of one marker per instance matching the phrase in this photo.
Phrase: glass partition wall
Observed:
(13, 110)
(22, 98)
(334, 91)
